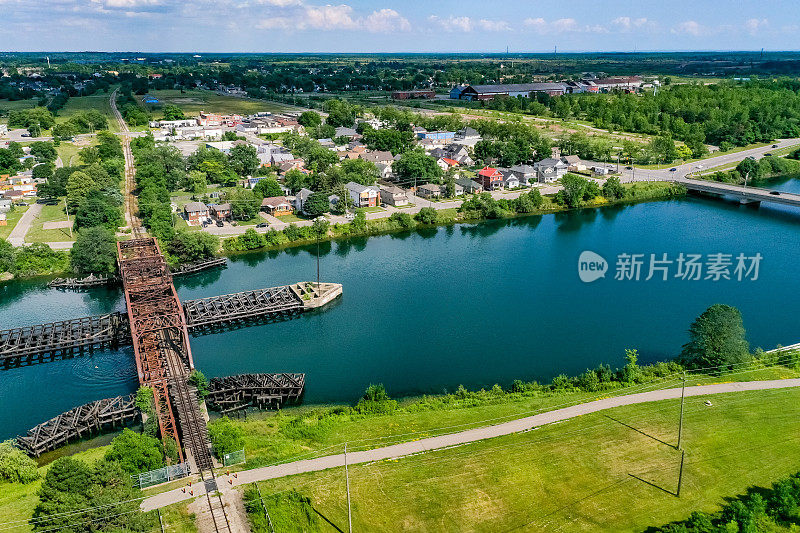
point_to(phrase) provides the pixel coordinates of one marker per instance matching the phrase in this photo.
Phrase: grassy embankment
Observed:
(615, 471)
(50, 213)
(274, 240)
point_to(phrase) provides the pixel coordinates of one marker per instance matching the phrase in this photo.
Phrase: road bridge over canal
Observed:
(744, 194)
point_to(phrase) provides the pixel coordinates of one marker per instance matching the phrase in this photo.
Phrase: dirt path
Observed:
(464, 437)
(17, 235)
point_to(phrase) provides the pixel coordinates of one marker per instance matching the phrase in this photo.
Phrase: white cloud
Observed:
(128, 4)
(628, 24)
(281, 3)
(562, 25)
(453, 24)
(754, 25)
(494, 25)
(386, 21)
(333, 18)
(689, 27)
(536, 23)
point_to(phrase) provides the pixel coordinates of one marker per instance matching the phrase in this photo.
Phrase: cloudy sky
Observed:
(395, 26)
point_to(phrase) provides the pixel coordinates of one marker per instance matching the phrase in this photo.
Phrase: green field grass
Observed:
(16, 105)
(96, 102)
(12, 217)
(50, 213)
(615, 471)
(192, 102)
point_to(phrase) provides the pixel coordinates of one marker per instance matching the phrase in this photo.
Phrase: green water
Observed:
(471, 304)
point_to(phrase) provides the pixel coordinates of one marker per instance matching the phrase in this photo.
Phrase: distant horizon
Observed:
(445, 52)
(389, 26)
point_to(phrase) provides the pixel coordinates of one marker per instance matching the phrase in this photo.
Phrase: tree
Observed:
(296, 180)
(94, 252)
(226, 437)
(78, 185)
(426, 215)
(316, 204)
(244, 204)
(172, 112)
(43, 171)
(44, 151)
(15, 465)
(683, 152)
(268, 188)
(136, 452)
(199, 381)
(188, 247)
(574, 190)
(613, 189)
(243, 159)
(416, 164)
(320, 227)
(359, 223)
(196, 182)
(716, 338)
(309, 119)
(97, 210)
(749, 168)
(341, 113)
(403, 220)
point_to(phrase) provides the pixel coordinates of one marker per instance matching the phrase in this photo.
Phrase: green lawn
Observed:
(68, 151)
(291, 217)
(192, 102)
(373, 209)
(611, 471)
(50, 213)
(12, 217)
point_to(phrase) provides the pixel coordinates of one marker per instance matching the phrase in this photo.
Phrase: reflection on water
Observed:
(471, 304)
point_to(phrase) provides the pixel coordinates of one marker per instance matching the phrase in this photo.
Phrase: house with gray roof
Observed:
(549, 170)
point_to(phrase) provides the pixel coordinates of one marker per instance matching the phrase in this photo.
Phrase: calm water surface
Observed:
(471, 304)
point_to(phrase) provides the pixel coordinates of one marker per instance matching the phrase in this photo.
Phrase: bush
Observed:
(426, 215)
(94, 252)
(15, 465)
(136, 452)
(226, 437)
(376, 401)
(198, 380)
(402, 220)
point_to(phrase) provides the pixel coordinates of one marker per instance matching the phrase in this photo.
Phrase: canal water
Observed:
(426, 311)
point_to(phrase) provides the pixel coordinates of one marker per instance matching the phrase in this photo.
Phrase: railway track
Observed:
(216, 506)
(137, 230)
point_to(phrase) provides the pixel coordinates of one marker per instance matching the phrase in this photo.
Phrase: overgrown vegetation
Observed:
(289, 512)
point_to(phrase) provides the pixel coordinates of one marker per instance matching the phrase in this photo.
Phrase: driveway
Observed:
(454, 439)
(17, 235)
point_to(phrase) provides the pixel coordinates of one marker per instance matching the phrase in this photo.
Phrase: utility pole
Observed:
(680, 424)
(66, 208)
(680, 474)
(347, 481)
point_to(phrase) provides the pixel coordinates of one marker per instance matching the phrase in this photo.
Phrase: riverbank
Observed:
(294, 236)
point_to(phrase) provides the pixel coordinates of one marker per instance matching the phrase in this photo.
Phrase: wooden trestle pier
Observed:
(80, 422)
(233, 393)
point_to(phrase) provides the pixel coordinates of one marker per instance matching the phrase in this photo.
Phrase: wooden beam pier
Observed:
(80, 422)
(60, 340)
(233, 393)
(241, 306)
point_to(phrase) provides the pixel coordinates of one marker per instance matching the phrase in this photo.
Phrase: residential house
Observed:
(341, 131)
(363, 195)
(510, 178)
(385, 170)
(467, 136)
(600, 171)
(525, 173)
(436, 135)
(300, 199)
(490, 178)
(280, 157)
(446, 164)
(469, 186)
(377, 156)
(429, 190)
(5, 205)
(196, 213)
(392, 195)
(574, 163)
(548, 170)
(489, 92)
(277, 206)
(220, 211)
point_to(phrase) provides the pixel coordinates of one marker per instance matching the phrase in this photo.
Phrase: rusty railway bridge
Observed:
(157, 325)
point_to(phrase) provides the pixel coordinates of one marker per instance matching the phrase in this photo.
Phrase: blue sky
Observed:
(393, 26)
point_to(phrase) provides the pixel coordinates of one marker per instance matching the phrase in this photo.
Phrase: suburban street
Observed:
(225, 483)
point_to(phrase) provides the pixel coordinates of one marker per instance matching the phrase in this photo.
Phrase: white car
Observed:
(350, 216)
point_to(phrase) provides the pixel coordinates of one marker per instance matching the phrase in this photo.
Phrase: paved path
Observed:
(17, 235)
(463, 437)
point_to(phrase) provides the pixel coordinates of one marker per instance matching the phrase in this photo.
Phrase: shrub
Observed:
(15, 466)
(426, 215)
(402, 220)
(136, 452)
(226, 437)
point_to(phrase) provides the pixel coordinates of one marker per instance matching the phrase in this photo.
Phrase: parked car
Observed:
(776, 193)
(628, 168)
(768, 154)
(262, 225)
(774, 145)
(219, 224)
(673, 169)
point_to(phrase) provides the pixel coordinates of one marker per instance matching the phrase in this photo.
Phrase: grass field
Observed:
(50, 213)
(6, 106)
(611, 471)
(12, 218)
(96, 102)
(192, 102)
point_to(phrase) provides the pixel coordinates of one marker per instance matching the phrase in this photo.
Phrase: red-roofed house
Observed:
(490, 178)
(446, 163)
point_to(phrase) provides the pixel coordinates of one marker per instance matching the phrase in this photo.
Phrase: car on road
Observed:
(262, 225)
(774, 193)
(219, 224)
(774, 145)
(673, 169)
(350, 216)
(628, 168)
(768, 154)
